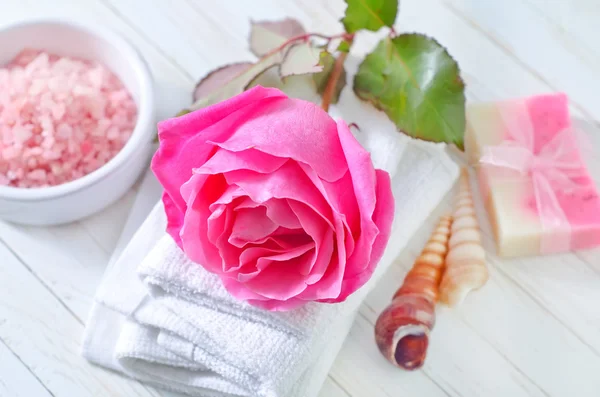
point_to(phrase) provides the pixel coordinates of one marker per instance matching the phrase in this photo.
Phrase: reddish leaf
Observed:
(267, 35)
(216, 79)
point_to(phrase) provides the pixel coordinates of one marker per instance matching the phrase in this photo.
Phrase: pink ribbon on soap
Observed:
(552, 169)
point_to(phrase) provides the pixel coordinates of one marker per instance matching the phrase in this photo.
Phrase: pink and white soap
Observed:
(537, 191)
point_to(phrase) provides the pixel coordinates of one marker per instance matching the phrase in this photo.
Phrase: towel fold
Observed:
(166, 321)
(259, 350)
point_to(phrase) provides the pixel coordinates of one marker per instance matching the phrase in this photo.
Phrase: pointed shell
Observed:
(465, 262)
(402, 330)
(424, 277)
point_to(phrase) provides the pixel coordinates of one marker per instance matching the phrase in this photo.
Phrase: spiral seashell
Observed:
(402, 329)
(465, 262)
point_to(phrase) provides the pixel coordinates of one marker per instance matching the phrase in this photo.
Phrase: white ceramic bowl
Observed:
(86, 195)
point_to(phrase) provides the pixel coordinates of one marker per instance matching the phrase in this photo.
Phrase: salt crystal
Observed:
(21, 134)
(32, 163)
(37, 175)
(56, 169)
(58, 111)
(60, 118)
(10, 153)
(64, 131)
(36, 151)
(86, 147)
(112, 133)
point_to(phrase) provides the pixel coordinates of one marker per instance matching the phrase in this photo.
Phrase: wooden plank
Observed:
(38, 328)
(333, 389)
(15, 378)
(531, 40)
(95, 10)
(64, 258)
(360, 369)
(70, 259)
(105, 225)
(188, 37)
(575, 24)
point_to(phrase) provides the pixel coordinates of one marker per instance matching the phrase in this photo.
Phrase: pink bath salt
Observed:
(60, 118)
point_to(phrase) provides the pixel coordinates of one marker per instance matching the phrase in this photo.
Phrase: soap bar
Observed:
(534, 205)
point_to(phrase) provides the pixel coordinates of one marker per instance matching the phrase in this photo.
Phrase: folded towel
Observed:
(166, 321)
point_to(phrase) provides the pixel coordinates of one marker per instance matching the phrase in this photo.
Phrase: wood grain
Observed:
(16, 380)
(37, 327)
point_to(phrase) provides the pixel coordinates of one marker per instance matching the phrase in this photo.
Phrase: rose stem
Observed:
(303, 37)
(334, 77)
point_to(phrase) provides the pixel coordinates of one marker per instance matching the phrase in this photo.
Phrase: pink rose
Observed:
(275, 197)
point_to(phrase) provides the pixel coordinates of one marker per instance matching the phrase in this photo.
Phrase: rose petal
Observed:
(383, 218)
(279, 280)
(247, 202)
(266, 258)
(322, 235)
(229, 254)
(323, 257)
(341, 187)
(189, 190)
(250, 159)
(364, 182)
(216, 223)
(283, 237)
(203, 190)
(231, 193)
(290, 238)
(174, 218)
(289, 181)
(279, 211)
(251, 224)
(278, 306)
(183, 139)
(330, 286)
(250, 255)
(340, 194)
(289, 129)
(272, 245)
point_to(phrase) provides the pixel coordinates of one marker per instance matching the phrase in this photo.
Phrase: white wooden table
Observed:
(534, 330)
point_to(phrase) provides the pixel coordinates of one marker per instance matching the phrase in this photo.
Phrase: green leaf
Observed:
(300, 58)
(219, 77)
(267, 35)
(344, 46)
(321, 79)
(369, 14)
(414, 80)
(182, 112)
(300, 86)
(226, 82)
